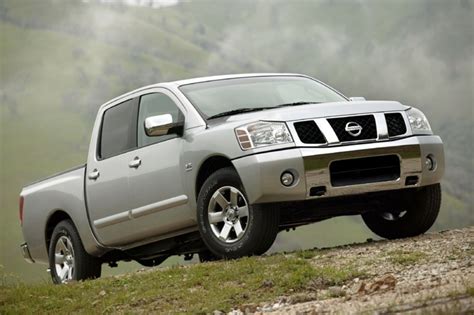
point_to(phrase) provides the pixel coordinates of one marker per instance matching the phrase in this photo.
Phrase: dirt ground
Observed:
(433, 273)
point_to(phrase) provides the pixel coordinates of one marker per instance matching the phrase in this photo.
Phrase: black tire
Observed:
(261, 225)
(85, 266)
(421, 209)
(206, 256)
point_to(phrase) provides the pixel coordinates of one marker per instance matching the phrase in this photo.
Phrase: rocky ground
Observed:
(433, 273)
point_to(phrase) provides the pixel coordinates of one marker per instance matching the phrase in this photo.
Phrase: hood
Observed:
(314, 111)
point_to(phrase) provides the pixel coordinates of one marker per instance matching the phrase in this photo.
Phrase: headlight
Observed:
(262, 134)
(418, 122)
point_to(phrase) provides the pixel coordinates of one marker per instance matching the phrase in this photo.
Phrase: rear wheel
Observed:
(68, 260)
(411, 213)
(231, 227)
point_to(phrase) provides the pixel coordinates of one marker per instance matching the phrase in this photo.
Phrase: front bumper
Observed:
(26, 253)
(260, 173)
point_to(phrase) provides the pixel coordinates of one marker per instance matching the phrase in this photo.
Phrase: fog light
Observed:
(430, 163)
(287, 179)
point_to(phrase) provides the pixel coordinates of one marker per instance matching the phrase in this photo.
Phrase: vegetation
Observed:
(405, 258)
(305, 254)
(201, 288)
(348, 278)
(470, 291)
(61, 59)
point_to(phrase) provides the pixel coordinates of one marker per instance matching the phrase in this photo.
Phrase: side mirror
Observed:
(357, 99)
(162, 125)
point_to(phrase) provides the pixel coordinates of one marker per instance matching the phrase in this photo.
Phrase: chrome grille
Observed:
(367, 122)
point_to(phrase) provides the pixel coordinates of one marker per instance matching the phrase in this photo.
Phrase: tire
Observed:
(238, 230)
(207, 256)
(75, 263)
(415, 213)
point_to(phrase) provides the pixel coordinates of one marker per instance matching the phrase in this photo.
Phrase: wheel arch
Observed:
(55, 217)
(210, 165)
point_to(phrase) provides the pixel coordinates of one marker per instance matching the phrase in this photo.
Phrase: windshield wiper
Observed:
(255, 109)
(238, 111)
(296, 104)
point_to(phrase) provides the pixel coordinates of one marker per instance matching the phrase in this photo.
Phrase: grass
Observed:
(405, 258)
(470, 291)
(200, 288)
(306, 254)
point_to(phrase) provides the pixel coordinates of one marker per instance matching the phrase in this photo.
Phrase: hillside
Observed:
(430, 273)
(59, 60)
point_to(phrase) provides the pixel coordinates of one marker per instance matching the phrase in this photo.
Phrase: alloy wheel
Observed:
(228, 214)
(393, 216)
(64, 259)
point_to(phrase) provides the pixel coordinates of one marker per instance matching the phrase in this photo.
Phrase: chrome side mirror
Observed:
(357, 99)
(162, 125)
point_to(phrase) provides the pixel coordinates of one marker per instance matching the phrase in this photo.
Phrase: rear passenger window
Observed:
(119, 127)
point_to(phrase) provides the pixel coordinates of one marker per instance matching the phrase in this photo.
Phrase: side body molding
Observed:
(142, 211)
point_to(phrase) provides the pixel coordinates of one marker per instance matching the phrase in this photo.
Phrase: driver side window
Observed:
(153, 105)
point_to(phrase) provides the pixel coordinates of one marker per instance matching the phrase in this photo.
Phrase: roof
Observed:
(229, 76)
(179, 83)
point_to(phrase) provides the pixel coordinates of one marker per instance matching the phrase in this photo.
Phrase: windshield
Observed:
(216, 97)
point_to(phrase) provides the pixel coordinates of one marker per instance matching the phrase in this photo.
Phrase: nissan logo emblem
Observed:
(353, 128)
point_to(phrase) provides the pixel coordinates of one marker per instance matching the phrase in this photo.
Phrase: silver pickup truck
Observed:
(217, 166)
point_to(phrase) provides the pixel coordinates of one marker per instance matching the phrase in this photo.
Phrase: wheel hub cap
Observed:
(232, 214)
(64, 259)
(228, 214)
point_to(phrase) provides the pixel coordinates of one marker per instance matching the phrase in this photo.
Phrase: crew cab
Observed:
(217, 166)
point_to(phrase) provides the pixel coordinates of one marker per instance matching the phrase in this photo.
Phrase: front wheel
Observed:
(68, 260)
(406, 214)
(229, 226)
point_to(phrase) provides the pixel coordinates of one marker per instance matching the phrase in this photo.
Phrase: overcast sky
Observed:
(152, 3)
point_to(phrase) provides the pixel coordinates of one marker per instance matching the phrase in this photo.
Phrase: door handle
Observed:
(94, 174)
(135, 163)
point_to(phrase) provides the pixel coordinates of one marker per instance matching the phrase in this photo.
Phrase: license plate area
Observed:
(364, 170)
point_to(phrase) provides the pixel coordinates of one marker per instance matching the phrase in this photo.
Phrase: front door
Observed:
(160, 204)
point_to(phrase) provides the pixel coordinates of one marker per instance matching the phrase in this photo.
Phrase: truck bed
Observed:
(55, 175)
(58, 196)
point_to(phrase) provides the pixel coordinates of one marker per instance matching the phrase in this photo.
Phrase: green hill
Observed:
(59, 60)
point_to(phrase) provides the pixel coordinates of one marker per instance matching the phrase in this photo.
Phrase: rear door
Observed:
(160, 204)
(108, 194)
